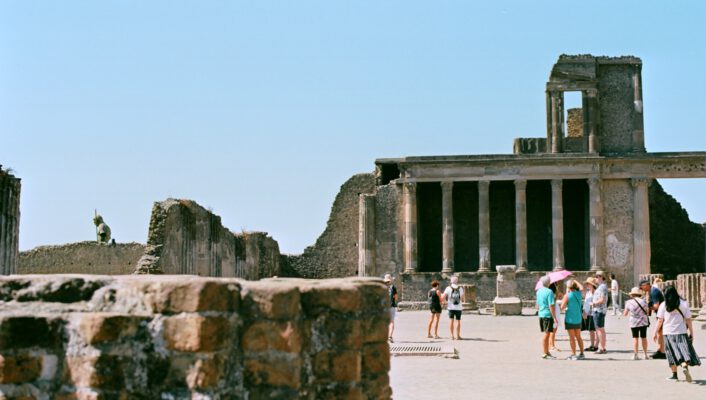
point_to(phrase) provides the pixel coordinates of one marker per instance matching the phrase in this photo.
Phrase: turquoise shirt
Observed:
(574, 308)
(545, 299)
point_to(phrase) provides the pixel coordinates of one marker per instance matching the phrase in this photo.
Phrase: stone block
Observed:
(19, 368)
(18, 332)
(205, 373)
(104, 372)
(321, 364)
(273, 371)
(346, 366)
(271, 335)
(177, 294)
(270, 300)
(377, 386)
(343, 333)
(376, 358)
(376, 329)
(340, 392)
(108, 327)
(196, 333)
(334, 295)
(508, 306)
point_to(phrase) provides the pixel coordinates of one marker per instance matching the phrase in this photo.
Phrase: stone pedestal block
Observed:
(507, 286)
(470, 296)
(507, 306)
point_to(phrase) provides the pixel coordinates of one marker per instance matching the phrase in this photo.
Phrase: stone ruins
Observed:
(9, 222)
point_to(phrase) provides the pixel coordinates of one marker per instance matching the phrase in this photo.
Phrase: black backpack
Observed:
(455, 296)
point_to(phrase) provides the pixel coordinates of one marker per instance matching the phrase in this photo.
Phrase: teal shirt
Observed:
(545, 299)
(574, 308)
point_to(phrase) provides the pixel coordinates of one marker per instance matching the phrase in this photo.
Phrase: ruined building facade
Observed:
(9, 222)
(577, 201)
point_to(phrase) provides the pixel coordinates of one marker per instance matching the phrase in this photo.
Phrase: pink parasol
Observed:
(555, 276)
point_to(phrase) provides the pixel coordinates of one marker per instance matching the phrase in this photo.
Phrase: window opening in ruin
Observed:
(573, 115)
(389, 172)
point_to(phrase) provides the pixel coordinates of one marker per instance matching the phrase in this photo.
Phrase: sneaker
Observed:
(437, 337)
(658, 355)
(391, 341)
(672, 378)
(572, 358)
(592, 348)
(601, 351)
(687, 374)
(581, 357)
(548, 356)
(635, 357)
(429, 336)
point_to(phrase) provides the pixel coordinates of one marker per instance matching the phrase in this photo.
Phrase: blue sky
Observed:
(260, 110)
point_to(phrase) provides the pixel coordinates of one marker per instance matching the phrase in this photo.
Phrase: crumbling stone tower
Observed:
(9, 222)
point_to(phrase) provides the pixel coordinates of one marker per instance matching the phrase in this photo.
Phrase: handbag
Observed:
(643, 310)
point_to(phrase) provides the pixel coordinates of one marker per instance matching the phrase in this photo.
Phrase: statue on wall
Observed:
(102, 229)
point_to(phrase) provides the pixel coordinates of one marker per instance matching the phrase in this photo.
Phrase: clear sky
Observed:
(260, 110)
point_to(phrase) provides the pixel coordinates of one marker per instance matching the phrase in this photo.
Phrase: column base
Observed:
(448, 271)
(558, 268)
(595, 268)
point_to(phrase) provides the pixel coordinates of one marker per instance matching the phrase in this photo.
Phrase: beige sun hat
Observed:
(592, 281)
(387, 278)
(635, 291)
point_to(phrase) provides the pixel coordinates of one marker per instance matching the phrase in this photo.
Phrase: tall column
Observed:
(521, 225)
(366, 235)
(9, 222)
(557, 225)
(595, 214)
(638, 124)
(557, 121)
(550, 114)
(447, 216)
(590, 119)
(641, 227)
(410, 226)
(484, 226)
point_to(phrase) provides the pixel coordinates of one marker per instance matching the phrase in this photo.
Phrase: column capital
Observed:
(447, 185)
(641, 181)
(557, 184)
(483, 185)
(594, 182)
(411, 186)
(520, 184)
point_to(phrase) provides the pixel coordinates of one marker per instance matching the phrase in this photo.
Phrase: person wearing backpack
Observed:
(454, 297)
(674, 322)
(434, 300)
(639, 320)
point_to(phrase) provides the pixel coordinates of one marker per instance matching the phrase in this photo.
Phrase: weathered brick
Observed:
(345, 366)
(197, 333)
(269, 335)
(265, 300)
(19, 368)
(343, 332)
(205, 373)
(377, 386)
(106, 372)
(337, 295)
(189, 294)
(376, 329)
(321, 364)
(376, 358)
(339, 392)
(17, 332)
(273, 371)
(108, 327)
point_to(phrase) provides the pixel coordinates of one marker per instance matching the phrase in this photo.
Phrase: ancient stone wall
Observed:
(616, 107)
(81, 258)
(335, 253)
(574, 122)
(677, 243)
(185, 238)
(177, 337)
(9, 222)
(618, 225)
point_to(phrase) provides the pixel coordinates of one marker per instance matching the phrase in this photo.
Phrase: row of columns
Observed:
(596, 234)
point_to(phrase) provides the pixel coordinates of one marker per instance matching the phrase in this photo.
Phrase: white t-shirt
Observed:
(587, 303)
(614, 286)
(449, 303)
(673, 323)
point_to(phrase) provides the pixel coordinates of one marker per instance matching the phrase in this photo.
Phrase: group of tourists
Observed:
(585, 308)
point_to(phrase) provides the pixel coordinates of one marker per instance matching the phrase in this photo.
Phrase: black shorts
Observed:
(639, 332)
(569, 326)
(455, 314)
(599, 319)
(587, 324)
(546, 324)
(435, 309)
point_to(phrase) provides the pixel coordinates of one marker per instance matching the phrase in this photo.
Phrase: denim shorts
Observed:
(599, 319)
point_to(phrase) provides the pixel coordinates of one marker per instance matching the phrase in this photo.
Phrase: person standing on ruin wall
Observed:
(102, 229)
(547, 315)
(454, 297)
(392, 290)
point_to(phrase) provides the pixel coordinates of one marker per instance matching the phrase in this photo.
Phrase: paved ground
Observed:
(500, 359)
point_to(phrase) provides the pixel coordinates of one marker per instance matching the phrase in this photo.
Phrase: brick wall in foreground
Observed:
(186, 337)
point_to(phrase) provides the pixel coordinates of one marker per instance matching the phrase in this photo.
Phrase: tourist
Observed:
(558, 296)
(600, 308)
(654, 300)
(434, 297)
(547, 315)
(615, 294)
(674, 321)
(454, 298)
(639, 320)
(392, 290)
(587, 324)
(573, 307)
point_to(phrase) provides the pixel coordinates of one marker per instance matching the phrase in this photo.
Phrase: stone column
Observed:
(483, 226)
(447, 215)
(521, 225)
(557, 121)
(410, 226)
(638, 133)
(641, 227)
(9, 223)
(590, 119)
(366, 235)
(702, 293)
(595, 214)
(557, 225)
(550, 114)
(689, 287)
